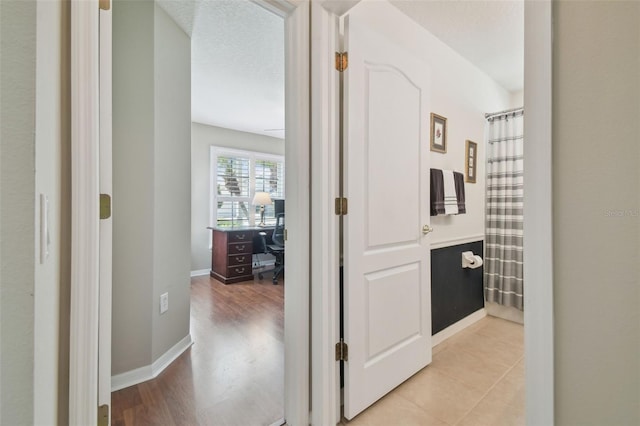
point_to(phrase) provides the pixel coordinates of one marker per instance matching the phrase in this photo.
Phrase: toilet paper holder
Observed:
(470, 260)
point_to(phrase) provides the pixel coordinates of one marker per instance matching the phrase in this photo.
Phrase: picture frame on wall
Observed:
(438, 133)
(471, 161)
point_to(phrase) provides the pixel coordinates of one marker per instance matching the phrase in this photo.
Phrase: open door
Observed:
(387, 292)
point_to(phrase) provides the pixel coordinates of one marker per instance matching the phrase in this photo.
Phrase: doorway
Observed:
(297, 209)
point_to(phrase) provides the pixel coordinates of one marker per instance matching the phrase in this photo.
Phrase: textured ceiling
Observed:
(489, 34)
(237, 52)
(237, 63)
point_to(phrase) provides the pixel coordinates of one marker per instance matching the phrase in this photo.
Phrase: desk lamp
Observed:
(261, 199)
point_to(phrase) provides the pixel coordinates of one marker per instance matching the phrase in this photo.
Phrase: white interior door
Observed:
(387, 306)
(106, 225)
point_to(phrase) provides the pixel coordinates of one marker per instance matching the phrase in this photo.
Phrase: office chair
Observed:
(276, 249)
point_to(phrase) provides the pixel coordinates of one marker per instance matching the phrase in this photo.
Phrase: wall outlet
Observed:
(164, 302)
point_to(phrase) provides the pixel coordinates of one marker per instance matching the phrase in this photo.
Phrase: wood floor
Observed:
(234, 372)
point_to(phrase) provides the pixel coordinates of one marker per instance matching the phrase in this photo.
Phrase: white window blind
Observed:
(235, 177)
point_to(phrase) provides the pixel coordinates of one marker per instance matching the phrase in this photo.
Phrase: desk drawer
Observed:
(239, 236)
(237, 271)
(240, 259)
(240, 248)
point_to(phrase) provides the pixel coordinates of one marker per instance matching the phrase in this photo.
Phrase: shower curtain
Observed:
(504, 195)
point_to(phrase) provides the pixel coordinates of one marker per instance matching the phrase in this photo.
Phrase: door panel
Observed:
(387, 271)
(390, 134)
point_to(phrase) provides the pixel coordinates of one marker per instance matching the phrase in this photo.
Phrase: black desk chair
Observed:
(276, 248)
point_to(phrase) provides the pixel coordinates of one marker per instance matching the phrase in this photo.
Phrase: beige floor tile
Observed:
(510, 390)
(493, 413)
(440, 395)
(490, 348)
(395, 410)
(510, 332)
(472, 370)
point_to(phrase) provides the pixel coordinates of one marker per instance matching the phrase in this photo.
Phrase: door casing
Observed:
(319, 103)
(85, 282)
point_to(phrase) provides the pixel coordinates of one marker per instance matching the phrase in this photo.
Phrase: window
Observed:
(235, 177)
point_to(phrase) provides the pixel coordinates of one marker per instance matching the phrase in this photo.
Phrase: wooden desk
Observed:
(232, 252)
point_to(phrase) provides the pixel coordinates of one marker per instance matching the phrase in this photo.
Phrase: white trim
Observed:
(457, 241)
(200, 272)
(457, 327)
(538, 221)
(148, 372)
(325, 371)
(84, 308)
(297, 184)
(106, 225)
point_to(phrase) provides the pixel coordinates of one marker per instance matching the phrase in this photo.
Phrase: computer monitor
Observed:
(278, 206)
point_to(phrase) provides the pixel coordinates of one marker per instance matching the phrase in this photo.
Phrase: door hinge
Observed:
(285, 235)
(342, 61)
(105, 206)
(341, 206)
(103, 415)
(342, 351)
(104, 4)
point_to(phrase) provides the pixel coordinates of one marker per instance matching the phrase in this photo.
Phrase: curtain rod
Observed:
(506, 111)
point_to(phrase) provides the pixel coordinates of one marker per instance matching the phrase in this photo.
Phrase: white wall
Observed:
(596, 202)
(516, 99)
(151, 180)
(202, 138)
(463, 94)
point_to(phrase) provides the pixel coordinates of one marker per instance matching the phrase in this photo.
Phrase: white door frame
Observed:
(323, 234)
(83, 350)
(538, 209)
(83, 386)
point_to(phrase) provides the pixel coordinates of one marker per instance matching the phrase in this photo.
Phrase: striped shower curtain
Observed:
(503, 253)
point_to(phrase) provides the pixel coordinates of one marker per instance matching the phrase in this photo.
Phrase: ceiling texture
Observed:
(237, 52)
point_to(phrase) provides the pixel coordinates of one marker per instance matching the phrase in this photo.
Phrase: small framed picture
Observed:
(438, 133)
(471, 162)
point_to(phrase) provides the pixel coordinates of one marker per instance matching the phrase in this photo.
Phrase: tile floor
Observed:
(476, 378)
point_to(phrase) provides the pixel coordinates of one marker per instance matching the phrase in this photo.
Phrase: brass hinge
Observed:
(105, 206)
(342, 351)
(341, 206)
(342, 61)
(103, 415)
(285, 235)
(104, 4)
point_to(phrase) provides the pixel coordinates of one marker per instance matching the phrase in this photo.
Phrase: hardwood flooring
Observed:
(234, 372)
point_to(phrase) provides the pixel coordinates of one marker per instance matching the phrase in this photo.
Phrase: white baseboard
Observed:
(200, 272)
(457, 327)
(505, 312)
(148, 372)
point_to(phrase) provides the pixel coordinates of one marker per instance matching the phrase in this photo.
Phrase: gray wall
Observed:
(172, 170)
(202, 138)
(17, 209)
(151, 175)
(133, 212)
(596, 144)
